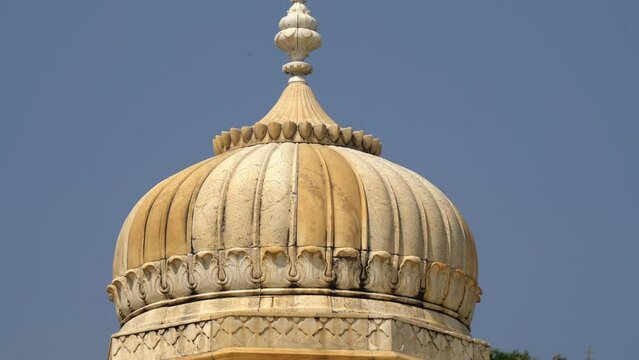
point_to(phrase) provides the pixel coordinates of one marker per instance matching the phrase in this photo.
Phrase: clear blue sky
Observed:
(524, 112)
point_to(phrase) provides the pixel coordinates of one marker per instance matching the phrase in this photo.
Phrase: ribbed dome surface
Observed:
(297, 104)
(300, 217)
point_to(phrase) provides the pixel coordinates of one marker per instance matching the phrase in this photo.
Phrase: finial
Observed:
(298, 38)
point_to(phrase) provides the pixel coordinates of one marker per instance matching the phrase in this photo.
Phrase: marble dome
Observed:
(288, 210)
(297, 228)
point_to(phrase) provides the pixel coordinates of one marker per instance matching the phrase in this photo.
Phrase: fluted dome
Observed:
(299, 209)
(296, 204)
(301, 217)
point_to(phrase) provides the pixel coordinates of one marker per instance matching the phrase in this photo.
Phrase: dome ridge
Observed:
(298, 104)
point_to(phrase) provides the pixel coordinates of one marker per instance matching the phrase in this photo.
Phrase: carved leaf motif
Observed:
(311, 266)
(205, 269)
(319, 131)
(178, 276)
(298, 43)
(367, 141)
(118, 294)
(218, 147)
(410, 275)
(334, 132)
(260, 131)
(381, 273)
(274, 130)
(235, 136)
(376, 147)
(470, 296)
(298, 17)
(347, 135)
(348, 271)
(137, 297)
(226, 139)
(289, 129)
(247, 134)
(238, 268)
(436, 283)
(151, 278)
(275, 265)
(305, 129)
(455, 293)
(358, 137)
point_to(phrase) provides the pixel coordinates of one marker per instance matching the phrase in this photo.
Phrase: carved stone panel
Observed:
(298, 332)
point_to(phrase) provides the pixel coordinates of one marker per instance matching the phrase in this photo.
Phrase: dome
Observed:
(296, 214)
(297, 240)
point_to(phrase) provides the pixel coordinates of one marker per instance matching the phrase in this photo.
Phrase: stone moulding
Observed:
(303, 132)
(272, 270)
(260, 333)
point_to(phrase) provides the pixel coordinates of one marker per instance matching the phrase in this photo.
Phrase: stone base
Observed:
(279, 354)
(295, 327)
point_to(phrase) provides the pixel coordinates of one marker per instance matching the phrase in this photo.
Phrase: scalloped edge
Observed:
(303, 132)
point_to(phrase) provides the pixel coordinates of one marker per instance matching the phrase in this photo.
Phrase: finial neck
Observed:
(297, 79)
(298, 38)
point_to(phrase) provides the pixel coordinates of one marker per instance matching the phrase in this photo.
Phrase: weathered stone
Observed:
(296, 242)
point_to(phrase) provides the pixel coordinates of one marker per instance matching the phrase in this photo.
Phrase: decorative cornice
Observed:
(289, 131)
(416, 281)
(296, 117)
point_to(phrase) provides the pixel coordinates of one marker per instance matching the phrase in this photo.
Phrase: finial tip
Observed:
(298, 38)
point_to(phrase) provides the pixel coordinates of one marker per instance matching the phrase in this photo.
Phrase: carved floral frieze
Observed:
(405, 279)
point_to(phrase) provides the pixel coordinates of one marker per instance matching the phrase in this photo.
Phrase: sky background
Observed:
(525, 113)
